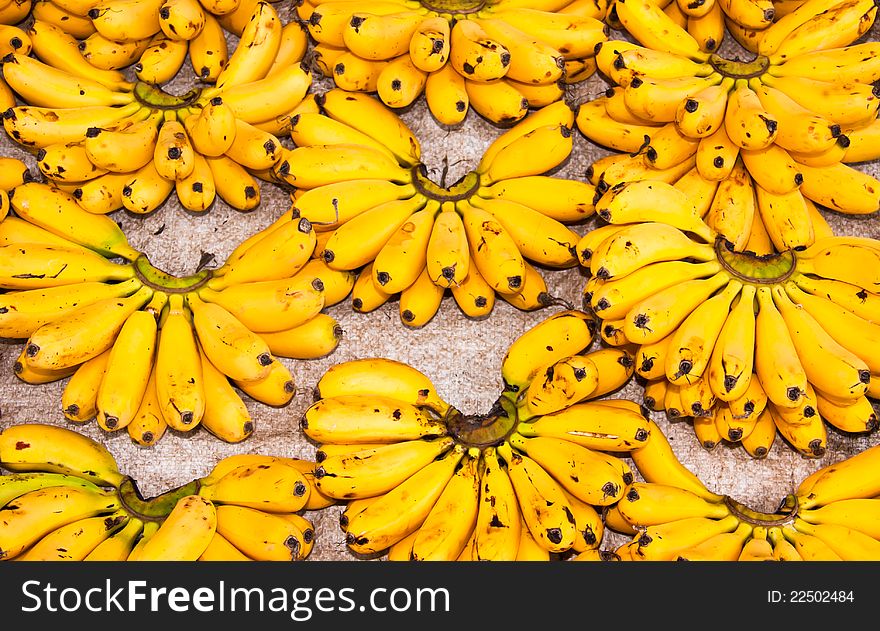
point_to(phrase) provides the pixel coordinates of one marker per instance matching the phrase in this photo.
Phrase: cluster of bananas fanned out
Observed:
(672, 516)
(774, 136)
(66, 500)
(146, 350)
(154, 37)
(745, 344)
(360, 181)
(498, 57)
(525, 481)
(114, 143)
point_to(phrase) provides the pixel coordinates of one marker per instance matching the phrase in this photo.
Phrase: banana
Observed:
(856, 62)
(272, 487)
(852, 298)
(616, 366)
(621, 61)
(197, 191)
(529, 549)
(225, 413)
(380, 37)
(593, 426)
(654, 29)
(498, 526)
(208, 50)
(447, 96)
(180, 389)
(625, 203)
(108, 54)
(596, 124)
(658, 463)
(570, 332)
(181, 19)
(148, 424)
(447, 527)
(547, 146)
(402, 257)
(327, 21)
(428, 44)
(119, 544)
(727, 546)
(846, 542)
(858, 190)
(848, 21)
(76, 540)
(849, 330)
(184, 534)
(558, 198)
(651, 504)
(377, 470)
(637, 245)
(733, 356)
(746, 122)
(311, 167)
(533, 294)
(809, 438)
(28, 266)
(83, 333)
(493, 249)
(808, 547)
(759, 441)
(259, 535)
(656, 316)
(708, 29)
(846, 104)
(531, 59)
(256, 50)
(58, 212)
(613, 299)
(856, 513)
(475, 54)
(122, 20)
(732, 211)
(786, 218)
(701, 114)
(542, 502)
(312, 129)
(161, 59)
(234, 184)
(354, 418)
(125, 147)
(497, 101)
(849, 260)
(57, 48)
(716, 156)
(15, 485)
(77, 24)
(844, 480)
(127, 371)
(584, 473)
(828, 365)
(353, 74)
(666, 541)
(420, 301)
(447, 254)
(404, 508)
(751, 14)
(566, 382)
(381, 377)
(777, 363)
(80, 394)
(219, 549)
(42, 85)
(692, 343)
(554, 248)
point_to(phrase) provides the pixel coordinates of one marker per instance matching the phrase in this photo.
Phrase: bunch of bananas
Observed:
(146, 350)
(360, 181)
(499, 57)
(745, 344)
(776, 136)
(832, 516)
(114, 143)
(155, 37)
(523, 482)
(67, 501)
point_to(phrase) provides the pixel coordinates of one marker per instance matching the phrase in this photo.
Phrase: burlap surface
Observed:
(462, 356)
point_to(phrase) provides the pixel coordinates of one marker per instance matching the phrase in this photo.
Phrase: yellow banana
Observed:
(493, 249)
(429, 44)
(777, 363)
(179, 381)
(499, 523)
(272, 487)
(161, 59)
(654, 29)
(184, 534)
(181, 19)
(208, 50)
(376, 376)
(225, 414)
(121, 20)
(259, 535)
(377, 36)
(446, 95)
(256, 50)
(420, 301)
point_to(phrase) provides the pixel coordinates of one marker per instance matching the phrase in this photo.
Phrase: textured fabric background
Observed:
(462, 356)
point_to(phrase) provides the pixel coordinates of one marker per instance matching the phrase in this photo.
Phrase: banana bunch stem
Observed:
(163, 281)
(154, 508)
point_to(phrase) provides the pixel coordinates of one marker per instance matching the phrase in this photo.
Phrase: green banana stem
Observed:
(737, 69)
(789, 512)
(767, 269)
(155, 508)
(482, 430)
(155, 97)
(454, 7)
(464, 188)
(168, 283)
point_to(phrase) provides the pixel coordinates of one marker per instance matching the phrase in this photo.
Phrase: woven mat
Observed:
(461, 356)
